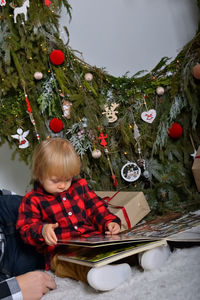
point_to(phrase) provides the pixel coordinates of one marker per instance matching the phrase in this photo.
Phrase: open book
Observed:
(96, 251)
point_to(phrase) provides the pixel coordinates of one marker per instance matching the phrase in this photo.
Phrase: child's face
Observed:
(55, 185)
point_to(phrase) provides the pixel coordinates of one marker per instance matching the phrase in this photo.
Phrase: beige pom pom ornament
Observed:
(88, 76)
(96, 153)
(160, 91)
(38, 75)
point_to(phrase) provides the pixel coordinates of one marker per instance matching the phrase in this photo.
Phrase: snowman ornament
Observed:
(21, 136)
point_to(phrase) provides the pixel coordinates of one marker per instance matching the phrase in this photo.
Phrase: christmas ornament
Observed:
(66, 107)
(196, 71)
(175, 131)
(57, 57)
(84, 122)
(31, 115)
(56, 125)
(148, 116)
(160, 90)
(96, 153)
(21, 136)
(136, 132)
(2, 3)
(110, 112)
(130, 172)
(146, 174)
(88, 76)
(38, 75)
(103, 138)
(114, 178)
(47, 2)
(21, 10)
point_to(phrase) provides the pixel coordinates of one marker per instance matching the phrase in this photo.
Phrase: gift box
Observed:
(130, 207)
(196, 169)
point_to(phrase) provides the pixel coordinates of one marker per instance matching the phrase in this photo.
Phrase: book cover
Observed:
(100, 256)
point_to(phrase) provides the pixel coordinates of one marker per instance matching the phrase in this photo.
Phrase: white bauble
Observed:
(88, 76)
(146, 174)
(96, 153)
(160, 90)
(38, 75)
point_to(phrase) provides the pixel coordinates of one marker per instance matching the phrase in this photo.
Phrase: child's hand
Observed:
(113, 228)
(49, 234)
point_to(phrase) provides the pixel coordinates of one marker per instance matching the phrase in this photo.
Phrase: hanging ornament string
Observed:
(115, 183)
(102, 137)
(137, 138)
(29, 109)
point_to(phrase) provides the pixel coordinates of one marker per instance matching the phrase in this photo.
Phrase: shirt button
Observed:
(76, 227)
(69, 213)
(64, 198)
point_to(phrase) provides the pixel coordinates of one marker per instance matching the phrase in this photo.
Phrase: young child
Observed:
(61, 207)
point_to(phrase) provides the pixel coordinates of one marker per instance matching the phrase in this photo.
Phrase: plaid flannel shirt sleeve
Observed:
(10, 290)
(29, 222)
(97, 209)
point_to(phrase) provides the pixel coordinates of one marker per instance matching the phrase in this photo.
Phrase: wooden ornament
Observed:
(110, 112)
(66, 107)
(149, 116)
(21, 10)
(21, 137)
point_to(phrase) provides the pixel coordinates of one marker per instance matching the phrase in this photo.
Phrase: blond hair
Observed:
(55, 157)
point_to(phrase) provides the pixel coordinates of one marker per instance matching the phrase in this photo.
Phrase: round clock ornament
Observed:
(130, 172)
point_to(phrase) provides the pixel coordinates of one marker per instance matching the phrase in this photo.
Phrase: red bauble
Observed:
(196, 71)
(57, 57)
(56, 125)
(175, 131)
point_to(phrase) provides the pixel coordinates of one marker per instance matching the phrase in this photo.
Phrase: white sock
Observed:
(108, 277)
(154, 258)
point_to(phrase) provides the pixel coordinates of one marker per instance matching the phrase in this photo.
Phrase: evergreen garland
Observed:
(168, 183)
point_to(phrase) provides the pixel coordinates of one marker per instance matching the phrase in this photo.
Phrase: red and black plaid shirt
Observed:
(79, 212)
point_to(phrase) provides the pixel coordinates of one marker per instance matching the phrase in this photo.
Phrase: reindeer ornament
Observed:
(111, 112)
(20, 10)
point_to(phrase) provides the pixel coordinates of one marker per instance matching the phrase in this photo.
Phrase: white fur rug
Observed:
(177, 279)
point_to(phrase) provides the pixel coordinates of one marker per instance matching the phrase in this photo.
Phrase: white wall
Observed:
(14, 175)
(130, 35)
(120, 35)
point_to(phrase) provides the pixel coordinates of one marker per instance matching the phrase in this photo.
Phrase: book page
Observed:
(185, 227)
(104, 240)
